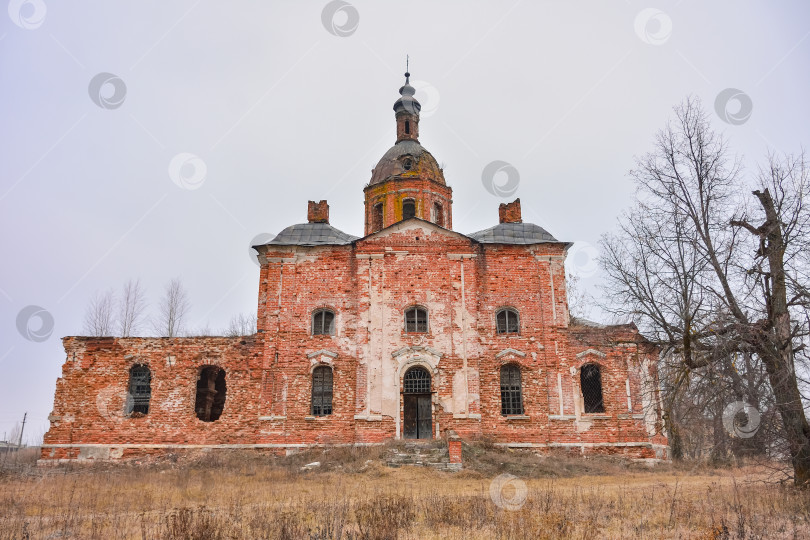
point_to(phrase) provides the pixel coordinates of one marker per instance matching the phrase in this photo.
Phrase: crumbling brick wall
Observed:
(368, 285)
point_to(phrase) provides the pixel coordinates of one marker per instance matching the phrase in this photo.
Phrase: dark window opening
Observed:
(407, 127)
(416, 320)
(377, 217)
(210, 394)
(417, 381)
(323, 323)
(508, 321)
(140, 390)
(407, 164)
(511, 393)
(438, 214)
(408, 209)
(322, 391)
(590, 378)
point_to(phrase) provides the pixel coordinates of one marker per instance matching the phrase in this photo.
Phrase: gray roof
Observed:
(513, 233)
(311, 234)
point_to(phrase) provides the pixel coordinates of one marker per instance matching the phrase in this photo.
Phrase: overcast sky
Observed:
(217, 121)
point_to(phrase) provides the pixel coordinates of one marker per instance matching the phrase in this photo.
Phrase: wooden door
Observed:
(418, 422)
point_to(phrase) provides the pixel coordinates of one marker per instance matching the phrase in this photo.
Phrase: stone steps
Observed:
(421, 454)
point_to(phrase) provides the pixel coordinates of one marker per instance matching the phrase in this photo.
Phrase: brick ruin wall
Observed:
(368, 285)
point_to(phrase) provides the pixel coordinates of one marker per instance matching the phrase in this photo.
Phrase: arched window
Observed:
(210, 393)
(323, 323)
(377, 217)
(590, 378)
(508, 321)
(322, 391)
(407, 127)
(416, 381)
(140, 390)
(438, 214)
(408, 209)
(511, 392)
(416, 319)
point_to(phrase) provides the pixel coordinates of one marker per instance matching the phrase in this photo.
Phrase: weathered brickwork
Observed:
(329, 300)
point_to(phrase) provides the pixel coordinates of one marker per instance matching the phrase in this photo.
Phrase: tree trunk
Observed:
(773, 342)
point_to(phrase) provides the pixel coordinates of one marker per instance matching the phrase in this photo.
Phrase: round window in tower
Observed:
(408, 164)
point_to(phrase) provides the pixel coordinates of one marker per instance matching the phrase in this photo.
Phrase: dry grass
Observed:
(353, 496)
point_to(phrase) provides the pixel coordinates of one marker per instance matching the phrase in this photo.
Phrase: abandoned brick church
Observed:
(413, 331)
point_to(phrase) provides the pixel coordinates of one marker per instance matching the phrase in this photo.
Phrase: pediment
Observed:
(510, 351)
(322, 357)
(417, 349)
(591, 352)
(419, 227)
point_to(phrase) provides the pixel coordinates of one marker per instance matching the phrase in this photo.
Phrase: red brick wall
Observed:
(368, 285)
(424, 192)
(510, 212)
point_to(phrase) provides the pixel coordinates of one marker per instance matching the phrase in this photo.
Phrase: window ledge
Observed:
(471, 416)
(595, 416)
(369, 418)
(318, 418)
(517, 417)
(562, 417)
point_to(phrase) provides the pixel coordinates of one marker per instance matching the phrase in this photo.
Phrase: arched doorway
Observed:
(418, 413)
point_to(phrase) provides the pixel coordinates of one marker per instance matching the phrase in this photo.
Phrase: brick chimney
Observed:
(318, 212)
(510, 212)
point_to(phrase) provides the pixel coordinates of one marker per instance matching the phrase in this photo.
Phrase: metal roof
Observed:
(513, 233)
(311, 234)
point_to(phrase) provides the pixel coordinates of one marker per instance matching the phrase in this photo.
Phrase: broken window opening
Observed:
(508, 321)
(377, 217)
(590, 378)
(511, 391)
(416, 320)
(211, 391)
(438, 214)
(408, 209)
(323, 323)
(322, 391)
(140, 390)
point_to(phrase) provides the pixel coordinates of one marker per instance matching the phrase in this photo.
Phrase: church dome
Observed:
(407, 159)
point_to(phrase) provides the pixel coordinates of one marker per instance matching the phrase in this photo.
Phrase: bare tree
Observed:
(172, 310)
(99, 316)
(684, 267)
(242, 325)
(579, 300)
(131, 308)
